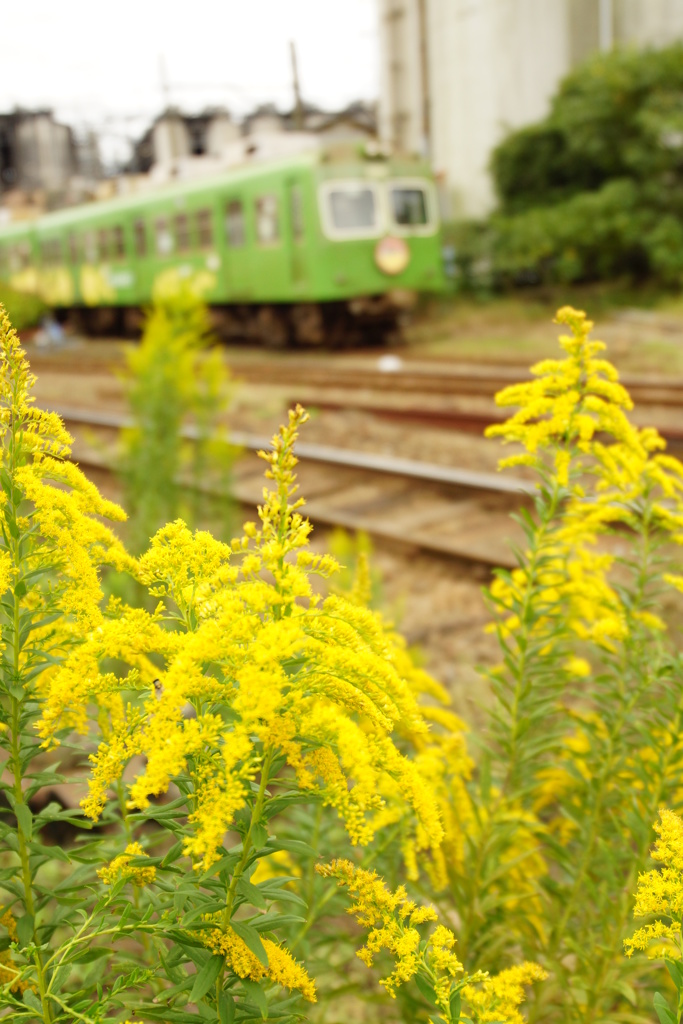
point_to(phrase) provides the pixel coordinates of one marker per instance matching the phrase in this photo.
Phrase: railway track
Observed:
(454, 513)
(446, 395)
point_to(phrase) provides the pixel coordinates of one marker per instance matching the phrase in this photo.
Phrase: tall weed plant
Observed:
(241, 697)
(175, 385)
(261, 758)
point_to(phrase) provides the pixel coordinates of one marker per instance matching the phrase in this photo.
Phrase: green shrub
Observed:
(595, 190)
(26, 310)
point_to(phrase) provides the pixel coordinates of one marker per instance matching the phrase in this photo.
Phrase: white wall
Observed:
(493, 66)
(648, 22)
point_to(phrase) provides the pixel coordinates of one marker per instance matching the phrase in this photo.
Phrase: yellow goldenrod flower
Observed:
(282, 968)
(498, 998)
(120, 867)
(660, 892)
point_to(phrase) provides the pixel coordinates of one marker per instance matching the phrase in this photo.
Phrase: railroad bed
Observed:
(428, 393)
(454, 513)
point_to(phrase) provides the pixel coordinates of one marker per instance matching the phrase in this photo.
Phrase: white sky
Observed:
(98, 64)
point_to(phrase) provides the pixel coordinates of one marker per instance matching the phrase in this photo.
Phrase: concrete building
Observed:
(44, 164)
(178, 145)
(458, 75)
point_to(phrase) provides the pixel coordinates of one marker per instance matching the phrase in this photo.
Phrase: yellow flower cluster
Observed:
(499, 998)
(49, 504)
(572, 422)
(660, 892)
(8, 972)
(121, 867)
(282, 968)
(264, 665)
(392, 919)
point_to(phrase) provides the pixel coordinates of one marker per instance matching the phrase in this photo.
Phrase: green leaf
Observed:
(32, 1000)
(257, 995)
(251, 893)
(206, 977)
(25, 819)
(259, 835)
(25, 929)
(426, 989)
(89, 955)
(456, 1003)
(173, 854)
(226, 1008)
(291, 845)
(666, 1016)
(675, 969)
(252, 939)
(269, 922)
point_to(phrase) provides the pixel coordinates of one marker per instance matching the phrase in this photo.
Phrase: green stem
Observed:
(19, 801)
(256, 811)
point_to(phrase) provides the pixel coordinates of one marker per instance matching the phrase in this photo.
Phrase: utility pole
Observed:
(298, 106)
(424, 80)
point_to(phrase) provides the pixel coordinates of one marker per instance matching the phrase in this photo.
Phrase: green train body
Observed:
(307, 248)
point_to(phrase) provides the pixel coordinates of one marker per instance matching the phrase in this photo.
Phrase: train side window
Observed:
(164, 238)
(19, 257)
(297, 212)
(140, 238)
(182, 232)
(204, 229)
(90, 247)
(234, 224)
(51, 252)
(72, 241)
(267, 220)
(119, 244)
(103, 245)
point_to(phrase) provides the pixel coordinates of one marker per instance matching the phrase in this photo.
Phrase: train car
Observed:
(319, 248)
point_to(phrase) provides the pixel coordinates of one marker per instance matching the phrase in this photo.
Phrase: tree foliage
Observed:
(595, 190)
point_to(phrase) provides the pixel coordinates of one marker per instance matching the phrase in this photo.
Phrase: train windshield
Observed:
(353, 208)
(409, 206)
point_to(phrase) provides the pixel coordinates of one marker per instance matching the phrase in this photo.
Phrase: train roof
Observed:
(327, 159)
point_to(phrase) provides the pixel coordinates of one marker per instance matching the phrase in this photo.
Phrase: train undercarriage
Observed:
(361, 321)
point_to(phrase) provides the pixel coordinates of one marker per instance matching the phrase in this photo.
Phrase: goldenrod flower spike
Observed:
(267, 669)
(393, 920)
(660, 893)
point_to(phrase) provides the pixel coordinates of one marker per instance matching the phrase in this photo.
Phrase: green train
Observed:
(325, 247)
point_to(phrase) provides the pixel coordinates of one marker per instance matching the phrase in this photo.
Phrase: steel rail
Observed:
(426, 472)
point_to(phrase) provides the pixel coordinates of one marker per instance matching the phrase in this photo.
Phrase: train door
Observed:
(298, 261)
(237, 249)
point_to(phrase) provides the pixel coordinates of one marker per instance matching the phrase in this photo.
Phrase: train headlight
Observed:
(392, 255)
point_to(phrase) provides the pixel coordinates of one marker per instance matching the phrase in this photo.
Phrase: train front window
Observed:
(353, 209)
(409, 206)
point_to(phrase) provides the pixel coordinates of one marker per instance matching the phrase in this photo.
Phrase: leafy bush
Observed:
(24, 308)
(595, 191)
